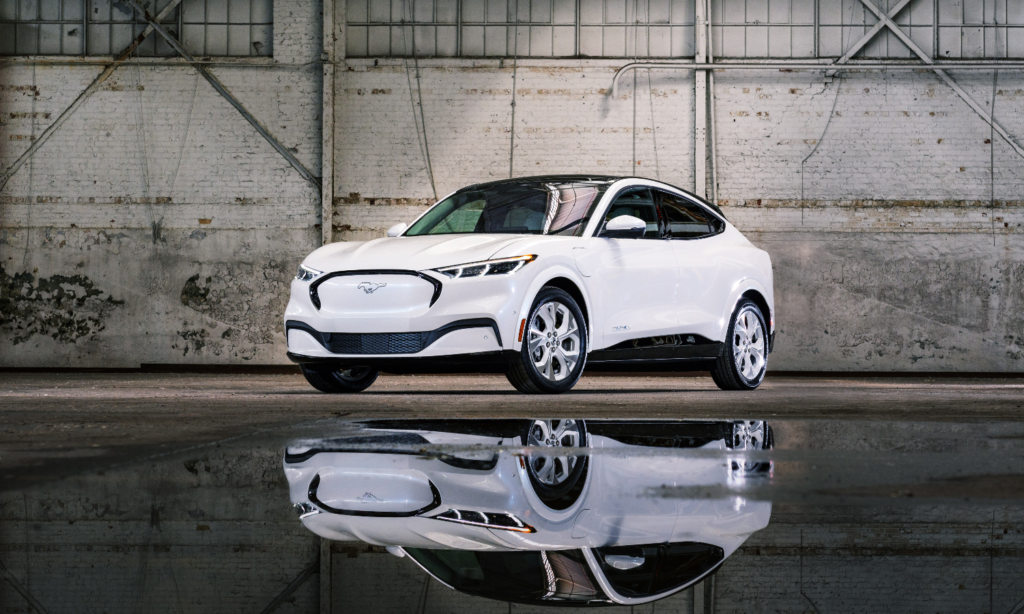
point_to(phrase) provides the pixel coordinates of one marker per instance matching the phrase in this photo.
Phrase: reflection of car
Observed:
(537, 278)
(553, 526)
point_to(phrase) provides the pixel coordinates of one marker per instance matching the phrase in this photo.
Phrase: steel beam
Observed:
(89, 91)
(700, 101)
(786, 65)
(223, 91)
(870, 34)
(927, 59)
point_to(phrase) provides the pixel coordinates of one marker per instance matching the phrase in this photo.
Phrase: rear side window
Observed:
(687, 220)
(640, 204)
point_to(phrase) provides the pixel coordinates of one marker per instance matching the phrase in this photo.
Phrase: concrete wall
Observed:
(157, 226)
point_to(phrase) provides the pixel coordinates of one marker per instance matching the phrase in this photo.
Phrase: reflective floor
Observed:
(373, 505)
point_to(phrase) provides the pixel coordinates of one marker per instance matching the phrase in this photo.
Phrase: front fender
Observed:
(560, 268)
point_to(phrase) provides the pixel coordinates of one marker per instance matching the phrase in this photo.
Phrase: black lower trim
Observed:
(483, 362)
(771, 343)
(388, 343)
(639, 365)
(315, 484)
(666, 347)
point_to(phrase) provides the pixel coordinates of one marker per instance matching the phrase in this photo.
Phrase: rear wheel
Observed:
(554, 346)
(356, 379)
(744, 357)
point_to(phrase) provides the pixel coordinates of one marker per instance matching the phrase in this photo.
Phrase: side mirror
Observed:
(397, 229)
(625, 227)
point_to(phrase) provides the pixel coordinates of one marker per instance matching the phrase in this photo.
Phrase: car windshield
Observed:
(528, 207)
(656, 568)
(547, 578)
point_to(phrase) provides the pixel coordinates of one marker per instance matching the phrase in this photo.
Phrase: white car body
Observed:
(679, 293)
(395, 499)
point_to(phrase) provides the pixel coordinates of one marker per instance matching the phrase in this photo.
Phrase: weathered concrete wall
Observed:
(898, 245)
(156, 226)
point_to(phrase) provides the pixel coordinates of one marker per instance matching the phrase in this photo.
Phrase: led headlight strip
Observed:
(307, 274)
(501, 266)
(488, 520)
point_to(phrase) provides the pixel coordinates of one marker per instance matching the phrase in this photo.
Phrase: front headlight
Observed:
(307, 274)
(501, 266)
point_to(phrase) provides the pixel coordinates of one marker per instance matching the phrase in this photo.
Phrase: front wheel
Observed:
(744, 358)
(554, 346)
(356, 379)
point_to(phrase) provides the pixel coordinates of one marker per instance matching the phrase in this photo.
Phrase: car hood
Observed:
(410, 253)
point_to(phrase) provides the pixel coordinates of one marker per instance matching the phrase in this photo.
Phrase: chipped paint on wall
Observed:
(67, 308)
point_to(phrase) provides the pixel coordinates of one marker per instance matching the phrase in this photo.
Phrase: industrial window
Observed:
(103, 27)
(664, 28)
(523, 28)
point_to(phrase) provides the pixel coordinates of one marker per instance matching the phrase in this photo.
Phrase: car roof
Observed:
(541, 179)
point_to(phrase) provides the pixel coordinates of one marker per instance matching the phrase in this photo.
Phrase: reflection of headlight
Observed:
(501, 266)
(502, 522)
(307, 274)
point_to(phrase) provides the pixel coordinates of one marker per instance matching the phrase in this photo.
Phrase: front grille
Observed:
(375, 343)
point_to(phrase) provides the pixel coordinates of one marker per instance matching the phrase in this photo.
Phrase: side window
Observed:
(640, 204)
(686, 220)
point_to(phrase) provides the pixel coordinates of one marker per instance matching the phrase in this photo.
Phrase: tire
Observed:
(555, 477)
(744, 358)
(540, 370)
(356, 379)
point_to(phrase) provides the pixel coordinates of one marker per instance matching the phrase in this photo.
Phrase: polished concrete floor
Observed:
(57, 424)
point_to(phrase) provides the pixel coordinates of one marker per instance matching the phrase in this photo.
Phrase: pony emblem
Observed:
(370, 287)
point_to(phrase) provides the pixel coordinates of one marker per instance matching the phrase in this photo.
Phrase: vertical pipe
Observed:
(711, 110)
(700, 102)
(326, 595)
(327, 126)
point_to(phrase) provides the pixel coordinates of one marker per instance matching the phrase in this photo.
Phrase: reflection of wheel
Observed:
(554, 346)
(554, 477)
(742, 363)
(356, 379)
(752, 435)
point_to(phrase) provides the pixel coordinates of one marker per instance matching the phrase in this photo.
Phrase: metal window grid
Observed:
(106, 27)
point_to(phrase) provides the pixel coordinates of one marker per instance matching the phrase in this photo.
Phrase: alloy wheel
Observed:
(748, 344)
(554, 341)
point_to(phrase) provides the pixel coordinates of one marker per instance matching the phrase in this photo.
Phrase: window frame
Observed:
(715, 229)
(611, 203)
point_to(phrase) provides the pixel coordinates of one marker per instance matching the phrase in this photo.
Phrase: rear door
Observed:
(694, 236)
(634, 280)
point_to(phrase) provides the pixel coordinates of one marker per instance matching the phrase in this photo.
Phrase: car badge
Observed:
(368, 497)
(370, 287)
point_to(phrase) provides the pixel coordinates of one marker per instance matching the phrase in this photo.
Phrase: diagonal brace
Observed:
(86, 93)
(217, 85)
(927, 59)
(870, 34)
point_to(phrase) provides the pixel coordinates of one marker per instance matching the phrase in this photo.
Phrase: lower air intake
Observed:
(376, 343)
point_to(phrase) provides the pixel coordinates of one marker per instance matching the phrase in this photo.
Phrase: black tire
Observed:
(555, 494)
(726, 373)
(523, 373)
(356, 379)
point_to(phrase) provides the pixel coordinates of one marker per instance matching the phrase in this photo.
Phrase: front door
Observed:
(634, 281)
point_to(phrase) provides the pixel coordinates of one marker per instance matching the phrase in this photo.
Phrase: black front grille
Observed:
(376, 343)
